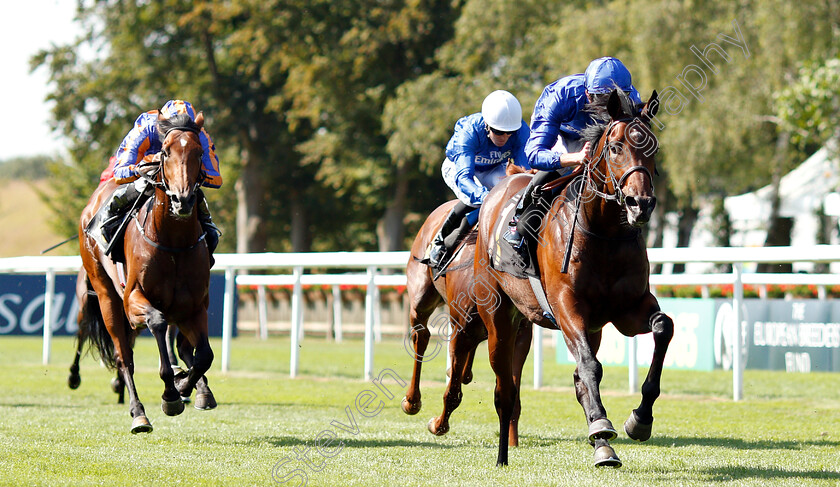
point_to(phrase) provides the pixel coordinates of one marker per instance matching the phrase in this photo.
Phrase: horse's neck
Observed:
(603, 217)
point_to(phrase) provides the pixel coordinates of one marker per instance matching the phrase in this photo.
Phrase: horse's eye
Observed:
(615, 149)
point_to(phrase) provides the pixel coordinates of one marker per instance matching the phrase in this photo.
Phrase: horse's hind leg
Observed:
(523, 346)
(75, 379)
(462, 348)
(171, 333)
(639, 425)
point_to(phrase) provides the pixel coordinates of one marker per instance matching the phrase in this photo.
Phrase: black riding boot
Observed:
(531, 205)
(211, 231)
(444, 238)
(122, 199)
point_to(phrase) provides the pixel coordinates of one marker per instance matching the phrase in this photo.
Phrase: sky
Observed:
(25, 28)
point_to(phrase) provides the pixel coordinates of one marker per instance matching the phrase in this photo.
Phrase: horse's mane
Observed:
(598, 109)
(181, 121)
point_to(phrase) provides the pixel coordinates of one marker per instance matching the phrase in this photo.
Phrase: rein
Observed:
(618, 196)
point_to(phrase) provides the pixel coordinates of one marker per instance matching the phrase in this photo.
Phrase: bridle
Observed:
(164, 185)
(589, 169)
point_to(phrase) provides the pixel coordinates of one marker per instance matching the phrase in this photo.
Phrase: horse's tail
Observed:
(92, 328)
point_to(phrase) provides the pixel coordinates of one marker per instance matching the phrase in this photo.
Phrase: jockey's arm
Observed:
(465, 179)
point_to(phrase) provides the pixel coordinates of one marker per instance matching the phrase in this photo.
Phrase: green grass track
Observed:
(785, 432)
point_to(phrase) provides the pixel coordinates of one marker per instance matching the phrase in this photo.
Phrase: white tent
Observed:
(802, 191)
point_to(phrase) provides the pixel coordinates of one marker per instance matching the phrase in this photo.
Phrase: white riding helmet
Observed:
(502, 111)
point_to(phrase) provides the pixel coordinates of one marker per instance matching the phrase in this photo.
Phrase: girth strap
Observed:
(536, 285)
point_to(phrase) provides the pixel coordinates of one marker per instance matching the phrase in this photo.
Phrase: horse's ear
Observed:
(614, 105)
(651, 107)
(199, 119)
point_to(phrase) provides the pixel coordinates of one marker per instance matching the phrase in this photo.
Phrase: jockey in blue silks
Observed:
(476, 160)
(139, 151)
(555, 146)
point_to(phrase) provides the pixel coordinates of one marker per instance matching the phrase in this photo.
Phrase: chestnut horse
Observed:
(453, 288)
(167, 275)
(608, 277)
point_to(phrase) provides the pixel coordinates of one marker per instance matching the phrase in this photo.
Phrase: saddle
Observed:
(522, 262)
(109, 230)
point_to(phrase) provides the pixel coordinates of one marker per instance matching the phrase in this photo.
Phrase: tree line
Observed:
(330, 117)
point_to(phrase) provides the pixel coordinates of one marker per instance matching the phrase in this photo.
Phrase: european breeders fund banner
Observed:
(796, 336)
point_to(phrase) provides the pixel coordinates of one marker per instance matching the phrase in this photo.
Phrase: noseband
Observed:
(619, 196)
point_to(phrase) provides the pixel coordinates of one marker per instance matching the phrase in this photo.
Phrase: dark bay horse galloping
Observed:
(453, 288)
(167, 276)
(607, 279)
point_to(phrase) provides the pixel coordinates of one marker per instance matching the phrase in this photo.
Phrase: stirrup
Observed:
(514, 238)
(436, 255)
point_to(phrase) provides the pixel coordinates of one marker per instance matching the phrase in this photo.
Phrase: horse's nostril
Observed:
(631, 201)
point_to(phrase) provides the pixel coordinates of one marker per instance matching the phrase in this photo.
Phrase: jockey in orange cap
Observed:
(141, 145)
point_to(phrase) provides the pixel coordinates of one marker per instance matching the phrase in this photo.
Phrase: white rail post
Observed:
(377, 314)
(339, 334)
(737, 345)
(538, 356)
(370, 311)
(297, 321)
(632, 365)
(227, 318)
(262, 312)
(49, 297)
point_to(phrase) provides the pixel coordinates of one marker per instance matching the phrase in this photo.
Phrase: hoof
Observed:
(605, 457)
(205, 401)
(141, 425)
(468, 377)
(411, 409)
(172, 408)
(636, 429)
(601, 429)
(74, 381)
(437, 431)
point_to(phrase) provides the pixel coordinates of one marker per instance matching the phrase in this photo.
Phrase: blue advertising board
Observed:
(22, 305)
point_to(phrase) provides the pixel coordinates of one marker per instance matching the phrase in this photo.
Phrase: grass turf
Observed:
(786, 431)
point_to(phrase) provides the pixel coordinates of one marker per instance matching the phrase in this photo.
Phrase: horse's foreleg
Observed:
(588, 375)
(415, 345)
(462, 348)
(123, 339)
(171, 403)
(638, 426)
(520, 354)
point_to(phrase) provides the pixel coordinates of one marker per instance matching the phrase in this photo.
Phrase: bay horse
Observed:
(461, 327)
(84, 334)
(608, 276)
(167, 275)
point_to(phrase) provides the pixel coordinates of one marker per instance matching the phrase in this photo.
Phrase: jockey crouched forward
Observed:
(140, 152)
(476, 159)
(554, 146)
